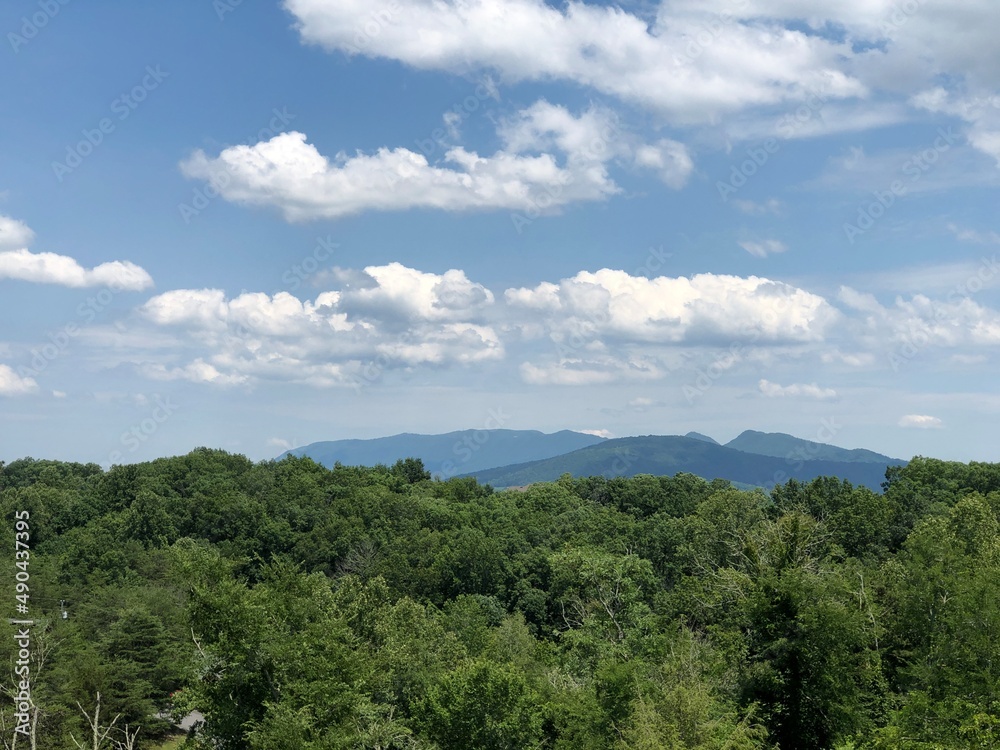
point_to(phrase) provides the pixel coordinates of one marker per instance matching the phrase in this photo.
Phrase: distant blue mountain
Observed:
(705, 438)
(668, 455)
(452, 453)
(780, 445)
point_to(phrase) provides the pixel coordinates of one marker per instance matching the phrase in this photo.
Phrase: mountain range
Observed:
(508, 458)
(452, 453)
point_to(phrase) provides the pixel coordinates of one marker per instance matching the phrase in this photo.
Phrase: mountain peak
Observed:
(703, 438)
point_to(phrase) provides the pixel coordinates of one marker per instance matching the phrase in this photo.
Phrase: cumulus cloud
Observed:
(49, 268)
(796, 390)
(291, 174)
(920, 422)
(382, 318)
(690, 65)
(12, 384)
(920, 321)
(610, 326)
(615, 304)
(737, 67)
(14, 234)
(588, 329)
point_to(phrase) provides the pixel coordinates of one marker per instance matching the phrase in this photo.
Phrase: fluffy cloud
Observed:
(382, 318)
(705, 307)
(17, 262)
(290, 174)
(690, 65)
(611, 326)
(592, 328)
(12, 384)
(796, 390)
(920, 422)
(738, 67)
(14, 234)
(920, 321)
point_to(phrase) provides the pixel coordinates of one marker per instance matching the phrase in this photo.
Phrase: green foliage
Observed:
(301, 607)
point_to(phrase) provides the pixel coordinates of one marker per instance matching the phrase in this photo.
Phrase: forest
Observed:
(297, 607)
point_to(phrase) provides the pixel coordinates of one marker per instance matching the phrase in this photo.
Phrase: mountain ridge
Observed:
(517, 457)
(668, 455)
(450, 453)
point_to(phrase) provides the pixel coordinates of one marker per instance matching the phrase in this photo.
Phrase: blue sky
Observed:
(255, 225)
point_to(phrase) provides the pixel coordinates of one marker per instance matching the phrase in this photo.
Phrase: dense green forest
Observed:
(303, 608)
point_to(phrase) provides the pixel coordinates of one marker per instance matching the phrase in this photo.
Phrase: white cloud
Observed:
(49, 268)
(613, 304)
(12, 384)
(796, 390)
(589, 329)
(591, 371)
(598, 433)
(690, 65)
(382, 318)
(764, 248)
(609, 326)
(920, 322)
(198, 371)
(669, 159)
(980, 110)
(739, 68)
(14, 235)
(920, 421)
(850, 359)
(290, 174)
